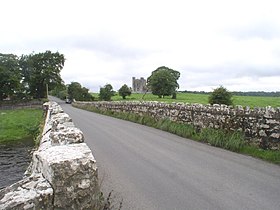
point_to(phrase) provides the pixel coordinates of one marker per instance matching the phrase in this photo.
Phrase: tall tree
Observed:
(74, 89)
(10, 77)
(78, 92)
(60, 91)
(40, 70)
(163, 81)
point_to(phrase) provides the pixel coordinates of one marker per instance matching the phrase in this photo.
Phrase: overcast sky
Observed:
(231, 43)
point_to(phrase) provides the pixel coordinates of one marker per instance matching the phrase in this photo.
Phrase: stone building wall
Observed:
(261, 126)
(62, 174)
(139, 85)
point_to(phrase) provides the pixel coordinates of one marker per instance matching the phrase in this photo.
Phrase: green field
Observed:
(19, 125)
(252, 101)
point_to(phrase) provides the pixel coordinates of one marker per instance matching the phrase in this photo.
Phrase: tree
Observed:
(10, 77)
(220, 96)
(163, 81)
(39, 70)
(60, 91)
(106, 92)
(78, 92)
(125, 91)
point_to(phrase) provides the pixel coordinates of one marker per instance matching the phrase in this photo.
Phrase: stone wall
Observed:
(63, 172)
(261, 126)
(9, 105)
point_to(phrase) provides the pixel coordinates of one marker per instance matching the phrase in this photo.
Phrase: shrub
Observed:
(106, 93)
(220, 96)
(125, 91)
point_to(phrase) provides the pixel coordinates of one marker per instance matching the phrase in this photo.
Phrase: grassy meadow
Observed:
(251, 101)
(17, 126)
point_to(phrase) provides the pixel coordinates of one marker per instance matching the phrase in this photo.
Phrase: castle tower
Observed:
(139, 85)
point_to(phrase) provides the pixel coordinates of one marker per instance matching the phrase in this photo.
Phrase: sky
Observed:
(234, 43)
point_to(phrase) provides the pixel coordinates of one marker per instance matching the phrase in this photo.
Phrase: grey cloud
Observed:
(219, 75)
(265, 30)
(103, 44)
(236, 70)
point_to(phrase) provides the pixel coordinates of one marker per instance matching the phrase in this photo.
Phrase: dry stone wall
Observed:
(261, 126)
(63, 172)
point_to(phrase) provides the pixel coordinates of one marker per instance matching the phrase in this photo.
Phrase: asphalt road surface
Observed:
(152, 169)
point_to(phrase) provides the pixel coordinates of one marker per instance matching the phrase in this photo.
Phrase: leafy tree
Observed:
(163, 82)
(10, 77)
(74, 90)
(220, 96)
(125, 91)
(79, 93)
(60, 91)
(86, 96)
(106, 93)
(41, 69)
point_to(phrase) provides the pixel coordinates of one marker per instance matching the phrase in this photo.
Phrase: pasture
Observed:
(19, 125)
(251, 101)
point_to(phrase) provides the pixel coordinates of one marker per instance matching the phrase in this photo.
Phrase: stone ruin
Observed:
(139, 85)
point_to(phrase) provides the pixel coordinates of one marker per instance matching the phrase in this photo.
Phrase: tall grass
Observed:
(268, 155)
(233, 141)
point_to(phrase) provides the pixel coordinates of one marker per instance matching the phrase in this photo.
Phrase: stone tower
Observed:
(139, 85)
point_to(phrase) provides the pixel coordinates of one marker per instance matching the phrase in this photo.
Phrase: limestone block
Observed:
(262, 133)
(272, 122)
(275, 135)
(59, 118)
(72, 172)
(55, 108)
(65, 125)
(30, 193)
(264, 126)
(68, 135)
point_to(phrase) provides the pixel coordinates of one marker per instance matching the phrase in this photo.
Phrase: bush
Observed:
(220, 96)
(124, 91)
(106, 93)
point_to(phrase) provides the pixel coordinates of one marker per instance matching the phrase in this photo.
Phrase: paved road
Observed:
(151, 169)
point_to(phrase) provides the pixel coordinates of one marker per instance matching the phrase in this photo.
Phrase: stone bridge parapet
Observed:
(62, 173)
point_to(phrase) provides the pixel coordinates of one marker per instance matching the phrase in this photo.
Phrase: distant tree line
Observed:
(257, 93)
(72, 91)
(29, 76)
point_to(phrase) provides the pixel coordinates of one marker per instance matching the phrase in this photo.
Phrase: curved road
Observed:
(152, 169)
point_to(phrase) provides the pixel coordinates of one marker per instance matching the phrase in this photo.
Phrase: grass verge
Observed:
(20, 126)
(233, 141)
